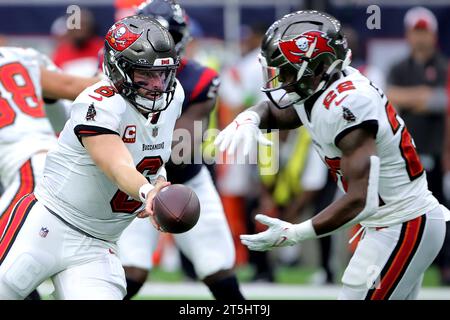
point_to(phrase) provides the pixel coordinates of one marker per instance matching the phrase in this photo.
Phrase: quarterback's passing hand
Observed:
(148, 211)
(243, 131)
(279, 234)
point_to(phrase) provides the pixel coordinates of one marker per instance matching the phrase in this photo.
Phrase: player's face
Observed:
(288, 76)
(151, 83)
(421, 39)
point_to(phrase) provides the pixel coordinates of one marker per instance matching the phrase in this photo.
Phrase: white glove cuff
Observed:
(304, 231)
(249, 115)
(144, 190)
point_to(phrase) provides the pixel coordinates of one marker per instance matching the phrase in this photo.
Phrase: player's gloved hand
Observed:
(243, 131)
(279, 234)
(446, 186)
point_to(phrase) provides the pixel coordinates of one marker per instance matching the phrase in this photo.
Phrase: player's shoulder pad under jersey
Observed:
(104, 96)
(349, 109)
(99, 105)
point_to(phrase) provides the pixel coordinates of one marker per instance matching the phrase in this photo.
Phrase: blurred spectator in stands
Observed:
(125, 8)
(416, 86)
(3, 40)
(59, 29)
(251, 36)
(77, 53)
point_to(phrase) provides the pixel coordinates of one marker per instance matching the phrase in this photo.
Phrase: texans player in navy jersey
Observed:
(209, 244)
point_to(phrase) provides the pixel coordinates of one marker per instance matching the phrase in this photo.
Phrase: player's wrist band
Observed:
(144, 190)
(304, 231)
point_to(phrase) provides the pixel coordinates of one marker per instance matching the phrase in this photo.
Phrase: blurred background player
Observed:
(99, 177)
(77, 49)
(208, 245)
(417, 87)
(27, 77)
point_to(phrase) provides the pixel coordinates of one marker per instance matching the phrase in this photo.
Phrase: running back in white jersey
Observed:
(354, 101)
(74, 188)
(24, 128)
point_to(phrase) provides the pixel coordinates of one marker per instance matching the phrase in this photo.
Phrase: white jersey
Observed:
(24, 127)
(75, 189)
(353, 101)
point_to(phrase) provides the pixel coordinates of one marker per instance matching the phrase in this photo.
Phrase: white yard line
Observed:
(255, 291)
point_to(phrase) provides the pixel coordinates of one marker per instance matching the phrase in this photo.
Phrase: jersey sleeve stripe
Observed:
(205, 79)
(27, 184)
(88, 131)
(18, 217)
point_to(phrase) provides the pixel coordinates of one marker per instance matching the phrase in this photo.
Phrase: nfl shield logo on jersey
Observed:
(154, 132)
(43, 233)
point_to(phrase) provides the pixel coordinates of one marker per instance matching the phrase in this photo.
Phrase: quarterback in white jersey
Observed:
(208, 245)
(106, 169)
(365, 145)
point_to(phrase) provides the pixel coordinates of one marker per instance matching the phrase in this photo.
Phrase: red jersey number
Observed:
(16, 80)
(120, 201)
(408, 151)
(342, 87)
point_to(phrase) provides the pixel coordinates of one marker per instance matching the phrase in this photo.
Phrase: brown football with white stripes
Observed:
(176, 208)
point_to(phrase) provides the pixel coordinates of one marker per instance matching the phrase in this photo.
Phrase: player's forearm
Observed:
(337, 214)
(272, 117)
(56, 85)
(357, 205)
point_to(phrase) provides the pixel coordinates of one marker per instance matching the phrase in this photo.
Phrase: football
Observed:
(176, 208)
